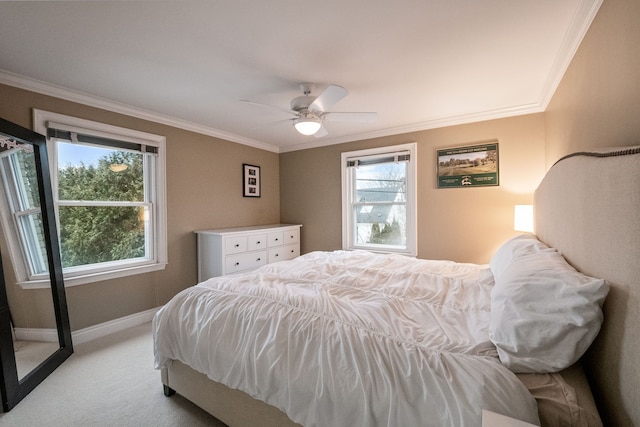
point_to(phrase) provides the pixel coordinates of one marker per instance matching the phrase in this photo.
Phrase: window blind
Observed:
(401, 156)
(72, 134)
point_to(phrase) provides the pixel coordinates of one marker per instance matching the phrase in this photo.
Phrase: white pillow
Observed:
(514, 248)
(544, 313)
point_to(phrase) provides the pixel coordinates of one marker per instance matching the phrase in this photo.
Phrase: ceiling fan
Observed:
(310, 112)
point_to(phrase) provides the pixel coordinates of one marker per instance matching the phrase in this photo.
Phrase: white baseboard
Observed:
(90, 333)
(29, 334)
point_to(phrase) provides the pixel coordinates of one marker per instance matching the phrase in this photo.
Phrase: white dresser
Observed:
(232, 250)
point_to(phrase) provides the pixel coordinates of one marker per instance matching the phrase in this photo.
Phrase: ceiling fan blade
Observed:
(269, 125)
(326, 99)
(354, 117)
(321, 132)
(272, 107)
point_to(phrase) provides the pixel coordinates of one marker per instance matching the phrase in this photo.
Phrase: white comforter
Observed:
(349, 339)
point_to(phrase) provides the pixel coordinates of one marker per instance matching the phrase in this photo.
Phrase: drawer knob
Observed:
(258, 241)
(277, 254)
(276, 239)
(258, 259)
(292, 251)
(237, 245)
(237, 264)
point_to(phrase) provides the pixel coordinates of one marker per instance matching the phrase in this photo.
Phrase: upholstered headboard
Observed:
(588, 208)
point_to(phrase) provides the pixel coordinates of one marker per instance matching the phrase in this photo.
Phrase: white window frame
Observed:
(348, 193)
(158, 230)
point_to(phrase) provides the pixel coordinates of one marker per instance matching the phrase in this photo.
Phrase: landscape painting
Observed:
(470, 166)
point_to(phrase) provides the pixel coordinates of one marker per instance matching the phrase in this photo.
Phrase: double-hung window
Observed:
(109, 197)
(21, 212)
(379, 199)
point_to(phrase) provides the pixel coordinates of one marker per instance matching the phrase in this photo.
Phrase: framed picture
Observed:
(251, 180)
(470, 166)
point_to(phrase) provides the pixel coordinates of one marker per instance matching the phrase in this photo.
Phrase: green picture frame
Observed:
(468, 166)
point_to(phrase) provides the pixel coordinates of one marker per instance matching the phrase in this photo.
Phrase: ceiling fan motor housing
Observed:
(302, 102)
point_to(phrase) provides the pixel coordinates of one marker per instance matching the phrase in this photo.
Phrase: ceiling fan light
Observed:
(118, 167)
(307, 126)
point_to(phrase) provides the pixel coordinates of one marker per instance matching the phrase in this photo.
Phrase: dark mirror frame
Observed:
(12, 389)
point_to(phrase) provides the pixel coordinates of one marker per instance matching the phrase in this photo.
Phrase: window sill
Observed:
(382, 250)
(94, 277)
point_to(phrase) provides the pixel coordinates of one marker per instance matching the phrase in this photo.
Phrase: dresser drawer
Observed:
(255, 242)
(248, 261)
(235, 245)
(291, 236)
(284, 253)
(275, 238)
(292, 251)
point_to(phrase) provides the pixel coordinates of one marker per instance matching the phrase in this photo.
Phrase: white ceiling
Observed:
(419, 64)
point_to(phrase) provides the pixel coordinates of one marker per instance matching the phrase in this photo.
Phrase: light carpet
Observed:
(109, 381)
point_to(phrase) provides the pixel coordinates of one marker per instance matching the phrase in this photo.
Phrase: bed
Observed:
(354, 338)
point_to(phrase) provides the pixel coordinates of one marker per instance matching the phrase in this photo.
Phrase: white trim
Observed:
(105, 271)
(411, 204)
(582, 19)
(89, 333)
(112, 326)
(38, 86)
(426, 125)
(30, 334)
(584, 15)
(93, 277)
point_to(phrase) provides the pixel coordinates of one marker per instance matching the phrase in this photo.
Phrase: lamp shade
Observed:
(523, 218)
(307, 126)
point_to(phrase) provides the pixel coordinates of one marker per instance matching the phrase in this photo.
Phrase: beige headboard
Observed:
(588, 207)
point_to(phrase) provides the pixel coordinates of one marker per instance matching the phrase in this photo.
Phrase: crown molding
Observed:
(38, 86)
(580, 23)
(422, 126)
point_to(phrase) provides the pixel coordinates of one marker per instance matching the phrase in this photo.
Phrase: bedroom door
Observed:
(25, 163)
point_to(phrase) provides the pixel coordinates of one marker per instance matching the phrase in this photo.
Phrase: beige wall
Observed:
(204, 190)
(597, 104)
(465, 224)
(598, 101)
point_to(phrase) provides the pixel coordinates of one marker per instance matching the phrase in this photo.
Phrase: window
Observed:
(379, 199)
(109, 196)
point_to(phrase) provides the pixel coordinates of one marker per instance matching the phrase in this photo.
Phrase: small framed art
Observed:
(251, 180)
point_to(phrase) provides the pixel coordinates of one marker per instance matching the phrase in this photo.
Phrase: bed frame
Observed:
(588, 207)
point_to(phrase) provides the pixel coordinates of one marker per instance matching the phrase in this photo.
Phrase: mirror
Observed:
(25, 363)
(31, 310)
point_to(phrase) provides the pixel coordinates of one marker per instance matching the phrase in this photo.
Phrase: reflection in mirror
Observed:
(33, 323)
(30, 354)
(35, 335)
(32, 316)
